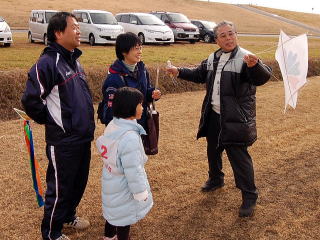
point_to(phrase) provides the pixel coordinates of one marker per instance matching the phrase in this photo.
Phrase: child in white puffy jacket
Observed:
(126, 195)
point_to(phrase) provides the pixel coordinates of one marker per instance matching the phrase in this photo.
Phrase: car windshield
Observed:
(209, 25)
(150, 20)
(178, 18)
(49, 15)
(103, 18)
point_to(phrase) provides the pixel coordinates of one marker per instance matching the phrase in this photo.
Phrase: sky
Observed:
(308, 6)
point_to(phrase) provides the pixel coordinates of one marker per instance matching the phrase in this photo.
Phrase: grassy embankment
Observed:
(16, 61)
(17, 14)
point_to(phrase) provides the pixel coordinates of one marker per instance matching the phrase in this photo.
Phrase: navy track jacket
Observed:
(120, 76)
(58, 96)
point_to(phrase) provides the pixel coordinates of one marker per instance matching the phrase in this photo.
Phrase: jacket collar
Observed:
(219, 52)
(71, 56)
(118, 67)
(128, 125)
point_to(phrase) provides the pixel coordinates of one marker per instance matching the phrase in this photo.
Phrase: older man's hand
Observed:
(250, 60)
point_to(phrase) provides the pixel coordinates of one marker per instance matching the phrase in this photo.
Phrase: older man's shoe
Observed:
(247, 208)
(211, 185)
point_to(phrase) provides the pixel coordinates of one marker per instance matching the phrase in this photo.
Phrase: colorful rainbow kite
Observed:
(34, 164)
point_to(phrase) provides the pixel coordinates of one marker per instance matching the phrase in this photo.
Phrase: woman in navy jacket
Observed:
(128, 70)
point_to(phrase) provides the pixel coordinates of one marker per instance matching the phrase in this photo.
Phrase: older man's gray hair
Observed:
(220, 24)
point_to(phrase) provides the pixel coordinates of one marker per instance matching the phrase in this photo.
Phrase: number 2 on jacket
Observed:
(104, 152)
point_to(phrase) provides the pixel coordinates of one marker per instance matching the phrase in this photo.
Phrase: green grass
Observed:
(22, 55)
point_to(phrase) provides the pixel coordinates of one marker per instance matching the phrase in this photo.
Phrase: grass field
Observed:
(286, 159)
(22, 55)
(286, 155)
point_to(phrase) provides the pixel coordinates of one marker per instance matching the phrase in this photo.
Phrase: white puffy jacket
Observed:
(126, 196)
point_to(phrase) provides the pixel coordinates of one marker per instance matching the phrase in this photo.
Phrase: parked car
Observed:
(148, 27)
(97, 27)
(205, 29)
(38, 24)
(5, 33)
(181, 26)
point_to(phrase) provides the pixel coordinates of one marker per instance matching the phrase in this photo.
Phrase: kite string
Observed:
(270, 49)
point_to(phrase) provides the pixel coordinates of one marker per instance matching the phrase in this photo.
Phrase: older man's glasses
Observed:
(225, 35)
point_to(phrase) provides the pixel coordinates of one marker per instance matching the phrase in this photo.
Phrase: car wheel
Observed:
(45, 40)
(142, 39)
(30, 38)
(92, 40)
(207, 38)
(7, 44)
(192, 41)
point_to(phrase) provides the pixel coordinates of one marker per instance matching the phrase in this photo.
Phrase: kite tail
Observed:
(34, 164)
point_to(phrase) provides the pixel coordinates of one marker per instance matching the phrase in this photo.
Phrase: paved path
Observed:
(296, 23)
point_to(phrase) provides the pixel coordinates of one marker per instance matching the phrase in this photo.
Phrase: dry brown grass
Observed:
(246, 21)
(286, 158)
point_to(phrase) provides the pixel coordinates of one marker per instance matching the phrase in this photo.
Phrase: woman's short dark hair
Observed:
(125, 42)
(57, 23)
(125, 102)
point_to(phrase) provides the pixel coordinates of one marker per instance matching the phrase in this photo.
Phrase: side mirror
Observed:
(85, 20)
(166, 21)
(134, 22)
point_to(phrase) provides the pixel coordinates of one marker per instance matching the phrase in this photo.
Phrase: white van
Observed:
(147, 27)
(38, 24)
(97, 26)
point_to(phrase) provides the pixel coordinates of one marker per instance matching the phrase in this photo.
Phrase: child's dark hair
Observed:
(125, 42)
(125, 102)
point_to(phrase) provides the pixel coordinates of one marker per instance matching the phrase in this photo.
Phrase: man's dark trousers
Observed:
(66, 178)
(238, 156)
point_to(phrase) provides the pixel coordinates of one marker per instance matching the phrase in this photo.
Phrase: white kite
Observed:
(292, 56)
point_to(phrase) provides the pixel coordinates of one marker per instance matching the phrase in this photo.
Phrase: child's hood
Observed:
(118, 126)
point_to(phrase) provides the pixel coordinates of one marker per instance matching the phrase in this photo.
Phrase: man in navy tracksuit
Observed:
(58, 96)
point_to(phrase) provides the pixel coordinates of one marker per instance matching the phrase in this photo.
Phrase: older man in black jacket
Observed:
(228, 117)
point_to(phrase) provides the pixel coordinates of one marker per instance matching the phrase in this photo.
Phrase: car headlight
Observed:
(179, 29)
(7, 29)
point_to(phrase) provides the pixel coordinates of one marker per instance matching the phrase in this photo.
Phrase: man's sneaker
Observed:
(247, 209)
(112, 238)
(78, 223)
(210, 185)
(63, 237)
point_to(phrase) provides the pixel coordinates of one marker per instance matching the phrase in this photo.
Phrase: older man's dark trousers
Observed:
(66, 178)
(238, 156)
